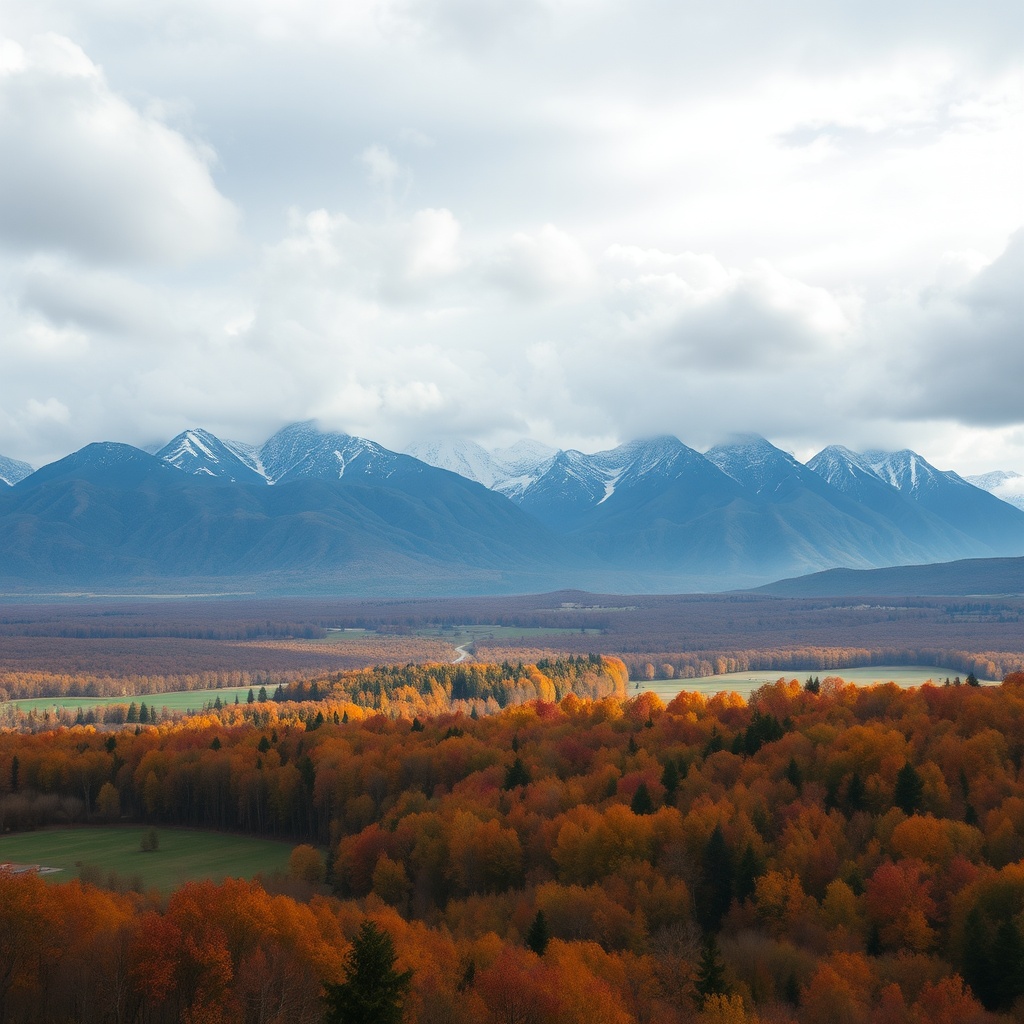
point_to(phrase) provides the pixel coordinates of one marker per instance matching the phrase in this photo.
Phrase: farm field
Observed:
(182, 700)
(744, 683)
(184, 855)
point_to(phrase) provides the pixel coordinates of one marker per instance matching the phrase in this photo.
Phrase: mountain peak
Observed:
(12, 471)
(200, 453)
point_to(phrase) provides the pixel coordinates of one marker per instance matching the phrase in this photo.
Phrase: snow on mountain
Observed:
(302, 451)
(970, 510)
(200, 453)
(467, 458)
(11, 471)
(1008, 486)
(524, 457)
(507, 470)
(907, 471)
(759, 466)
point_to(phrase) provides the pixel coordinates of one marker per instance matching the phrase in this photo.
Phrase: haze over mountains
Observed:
(328, 512)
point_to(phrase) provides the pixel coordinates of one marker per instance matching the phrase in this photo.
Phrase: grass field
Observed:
(183, 855)
(190, 700)
(745, 683)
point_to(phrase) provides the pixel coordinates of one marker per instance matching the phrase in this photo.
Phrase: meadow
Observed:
(744, 683)
(183, 855)
(182, 700)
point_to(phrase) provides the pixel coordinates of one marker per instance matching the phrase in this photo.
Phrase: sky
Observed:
(581, 221)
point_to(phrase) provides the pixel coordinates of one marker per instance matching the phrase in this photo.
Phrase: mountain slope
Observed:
(969, 510)
(200, 453)
(970, 576)
(1007, 486)
(11, 471)
(114, 516)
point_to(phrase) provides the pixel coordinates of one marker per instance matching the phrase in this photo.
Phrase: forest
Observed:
(118, 649)
(818, 853)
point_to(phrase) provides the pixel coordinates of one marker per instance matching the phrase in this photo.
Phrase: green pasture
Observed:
(183, 855)
(184, 700)
(744, 683)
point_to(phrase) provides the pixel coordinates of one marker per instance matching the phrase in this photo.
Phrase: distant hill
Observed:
(988, 576)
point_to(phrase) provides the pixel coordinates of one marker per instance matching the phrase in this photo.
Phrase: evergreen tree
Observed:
(262, 695)
(373, 991)
(251, 696)
(642, 802)
(670, 779)
(747, 872)
(143, 713)
(972, 679)
(710, 977)
(1007, 964)
(716, 885)
(538, 935)
(909, 789)
(517, 774)
(794, 776)
(855, 793)
(133, 713)
(977, 966)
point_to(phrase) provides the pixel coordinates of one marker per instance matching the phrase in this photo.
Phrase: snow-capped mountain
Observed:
(507, 470)
(11, 471)
(574, 487)
(302, 452)
(201, 453)
(971, 511)
(1008, 486)
(761, 468)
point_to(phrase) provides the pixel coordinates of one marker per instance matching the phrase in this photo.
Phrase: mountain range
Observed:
(329, 512)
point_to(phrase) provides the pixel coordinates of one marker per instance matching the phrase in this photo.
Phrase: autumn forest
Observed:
(526, 841)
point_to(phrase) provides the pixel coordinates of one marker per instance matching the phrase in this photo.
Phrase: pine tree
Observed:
(909, 789)
(670, 779)
(977, 965)
(642, 802)
(373, 991)
(538, 935)
(794, 776)
(517, 774)
(1007, 964)
(856, 794)
(716, 889)
(710, 977)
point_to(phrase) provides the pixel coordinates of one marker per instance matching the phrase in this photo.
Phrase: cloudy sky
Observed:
(581, 221)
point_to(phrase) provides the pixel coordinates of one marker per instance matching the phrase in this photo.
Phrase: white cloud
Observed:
(584, 220)
(87, 173)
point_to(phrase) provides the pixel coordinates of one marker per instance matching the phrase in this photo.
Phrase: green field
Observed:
(184, 855)
(184, 700)
(745, 683)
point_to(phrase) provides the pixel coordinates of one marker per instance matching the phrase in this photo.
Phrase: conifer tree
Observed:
(538, 935)
(373, 991)
(642, 802)
(710, 977)
(909, 789)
